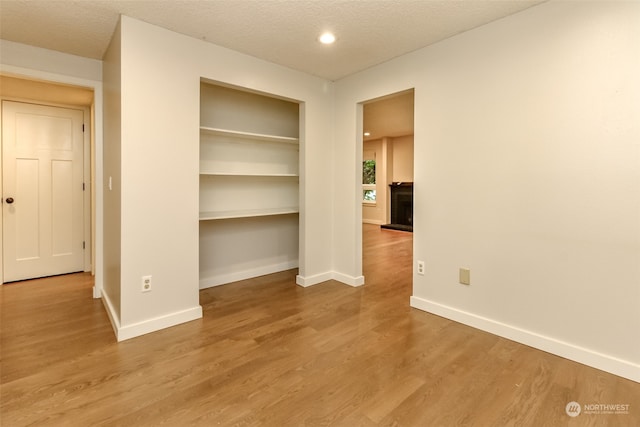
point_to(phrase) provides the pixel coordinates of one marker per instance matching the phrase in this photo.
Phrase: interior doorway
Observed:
(48, 215)
(387, 161)
(42, 178)
(387, 178)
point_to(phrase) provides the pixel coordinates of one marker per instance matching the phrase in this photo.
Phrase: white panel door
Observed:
(42, 166)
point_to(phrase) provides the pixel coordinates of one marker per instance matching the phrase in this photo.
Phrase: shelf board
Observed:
(249, 213)
(249, 135)
(239, 174)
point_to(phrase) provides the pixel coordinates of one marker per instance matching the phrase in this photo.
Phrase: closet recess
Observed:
(249, 184)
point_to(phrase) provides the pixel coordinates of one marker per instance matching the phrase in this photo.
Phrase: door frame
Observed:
(93, 159)
(359, 155)
(87, 216)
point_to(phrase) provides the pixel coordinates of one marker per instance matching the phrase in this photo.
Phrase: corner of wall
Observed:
(307, 281)
(158, 323)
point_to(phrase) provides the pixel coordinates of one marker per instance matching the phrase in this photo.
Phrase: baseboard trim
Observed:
(111, 313)
(613, 365)
(158, 323)
(354, 281)
(313, 280)
(224, 279)
(147, 326)
(372, 221)
(329, 275)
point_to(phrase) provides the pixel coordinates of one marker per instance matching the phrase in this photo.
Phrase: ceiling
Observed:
(390, 116)
(285, 32)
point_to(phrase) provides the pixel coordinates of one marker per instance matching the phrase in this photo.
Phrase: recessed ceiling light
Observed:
(327, 38)
(367, 134)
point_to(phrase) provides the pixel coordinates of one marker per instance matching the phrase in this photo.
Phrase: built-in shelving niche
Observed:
(249, 184)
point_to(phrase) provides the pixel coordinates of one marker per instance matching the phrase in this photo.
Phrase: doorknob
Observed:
(9, 200)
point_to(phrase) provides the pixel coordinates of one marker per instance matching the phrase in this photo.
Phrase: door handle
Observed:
(9, 200)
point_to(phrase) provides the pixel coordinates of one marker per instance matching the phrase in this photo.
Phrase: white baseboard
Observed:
(372, 221)
(150, 325)
(348, 280)
(313, 280)
(613, 365)
(113, 317)
(329, 275)
(223, 279)
(158, 323)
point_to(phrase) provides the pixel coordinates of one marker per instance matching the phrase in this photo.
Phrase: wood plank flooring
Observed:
(269, 353)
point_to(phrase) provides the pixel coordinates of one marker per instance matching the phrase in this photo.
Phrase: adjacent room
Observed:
(387, 162)
(286, 213)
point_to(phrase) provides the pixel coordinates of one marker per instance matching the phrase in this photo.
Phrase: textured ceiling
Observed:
(369, 32)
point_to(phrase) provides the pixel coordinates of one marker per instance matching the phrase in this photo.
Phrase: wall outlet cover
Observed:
(146, 283)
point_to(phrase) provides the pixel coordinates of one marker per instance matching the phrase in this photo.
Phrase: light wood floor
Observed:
(270, 353)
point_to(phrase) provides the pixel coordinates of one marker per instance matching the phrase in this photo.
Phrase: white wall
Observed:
(112, 72)
(160, 89)
(527, 171)
(35, 58)
(403, 159)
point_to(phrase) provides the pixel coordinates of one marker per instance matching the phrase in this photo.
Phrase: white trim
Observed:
(348, 280)
(224, 279)
(151, 325)
(313, 280)
(87, 130)
(372, 221)
(158, 323)
(98, 188)
(329, 275)
(111, 313)
(607, 363)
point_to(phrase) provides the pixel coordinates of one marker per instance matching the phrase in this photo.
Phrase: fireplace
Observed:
(401, 206)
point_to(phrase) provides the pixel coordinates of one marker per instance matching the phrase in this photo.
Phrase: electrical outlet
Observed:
(421, 268)
(465, 276)
(146, 283)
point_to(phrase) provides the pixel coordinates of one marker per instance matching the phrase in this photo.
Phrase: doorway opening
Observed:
(48, 210)
(387, 170)
(387, 160)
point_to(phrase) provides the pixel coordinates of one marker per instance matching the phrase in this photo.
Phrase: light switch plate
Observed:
(465, 276)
